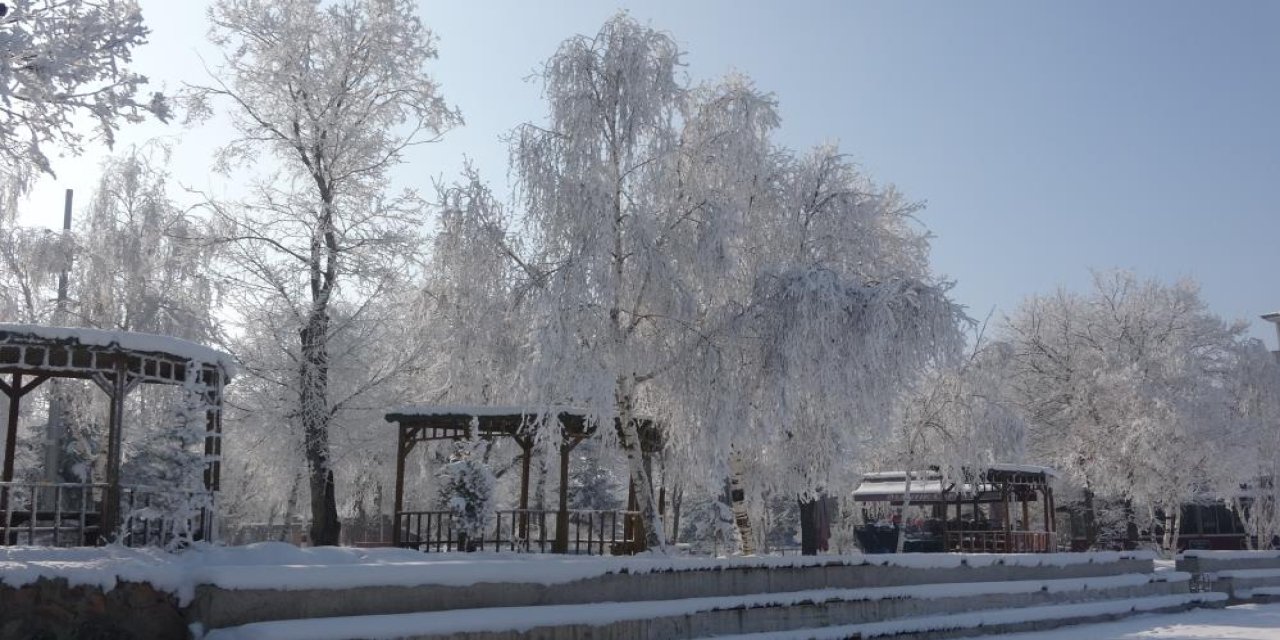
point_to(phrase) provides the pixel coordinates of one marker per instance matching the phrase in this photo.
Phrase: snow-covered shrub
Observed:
(466, 490)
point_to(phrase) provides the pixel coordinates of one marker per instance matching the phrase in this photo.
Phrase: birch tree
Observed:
(62, 61)
(695, 273)
(334, 94)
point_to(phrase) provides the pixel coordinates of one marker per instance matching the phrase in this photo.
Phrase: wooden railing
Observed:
(999, 541)
(523, 530)
(64, 514)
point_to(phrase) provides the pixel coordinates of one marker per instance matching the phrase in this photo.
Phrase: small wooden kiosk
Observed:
(523, 528)
(992, 510)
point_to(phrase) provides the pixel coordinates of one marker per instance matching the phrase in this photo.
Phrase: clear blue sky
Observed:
(1046, 138)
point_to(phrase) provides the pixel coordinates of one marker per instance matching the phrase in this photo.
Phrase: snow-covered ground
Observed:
(1241, 622)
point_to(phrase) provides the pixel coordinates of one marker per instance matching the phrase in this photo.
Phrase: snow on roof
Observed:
(1024, 468)
(480, 410)
(899, 475)
(920, 490)
(145, 342)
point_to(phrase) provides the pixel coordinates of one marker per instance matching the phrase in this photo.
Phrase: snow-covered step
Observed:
(1243, 584)
(1207, 562)
(228, 595)
(693, 617)
(996, 621)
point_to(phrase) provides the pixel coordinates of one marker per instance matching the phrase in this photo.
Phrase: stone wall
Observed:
(51, 609)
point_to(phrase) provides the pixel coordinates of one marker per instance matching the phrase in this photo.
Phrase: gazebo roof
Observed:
(927, 487)
(73, 352)
(448, 422)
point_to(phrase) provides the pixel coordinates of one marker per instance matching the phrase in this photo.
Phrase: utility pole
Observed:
(55, 434)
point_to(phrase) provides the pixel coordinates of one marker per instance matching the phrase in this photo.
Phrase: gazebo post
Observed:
(402, 451)
(526, 445)
(15, 391)
(119, 390)
(11, 390)
(562, 516)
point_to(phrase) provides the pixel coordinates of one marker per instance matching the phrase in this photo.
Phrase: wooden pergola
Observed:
(999, 488)
(117, 363)
(422, 423)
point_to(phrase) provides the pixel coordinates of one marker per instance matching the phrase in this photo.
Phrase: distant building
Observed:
(1274, 318)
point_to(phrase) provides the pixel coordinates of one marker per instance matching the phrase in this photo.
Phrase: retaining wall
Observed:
(216, 607)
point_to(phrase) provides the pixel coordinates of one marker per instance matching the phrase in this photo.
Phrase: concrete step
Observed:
(228, 596)
(1244, 584)
(785, 612)
(998, 621)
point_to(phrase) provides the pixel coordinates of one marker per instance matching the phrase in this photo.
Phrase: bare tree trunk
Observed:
(738, 502)
(1170, 542)
(325, 527)
(290, 506)
(808, 527)
(654, 537)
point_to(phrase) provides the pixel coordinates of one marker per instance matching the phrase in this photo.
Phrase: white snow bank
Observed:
(147, 342)
(176, 573)
(274, 565)
(993, 617)
(519, 619)
(1241, 622)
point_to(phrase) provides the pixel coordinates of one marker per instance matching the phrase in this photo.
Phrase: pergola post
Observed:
(12, 431)
(562, 515)
(15, 390)
(115, 450)
(402, 451)
(526, 446)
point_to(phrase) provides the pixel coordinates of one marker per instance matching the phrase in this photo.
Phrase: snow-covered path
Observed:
(1241, 622)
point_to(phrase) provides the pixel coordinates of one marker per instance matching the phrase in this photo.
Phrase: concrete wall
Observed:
(1238, 560)
(53, 609)
(783, 618)
(215, 607)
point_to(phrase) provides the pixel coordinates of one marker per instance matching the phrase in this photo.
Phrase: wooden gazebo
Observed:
(992, 524)
(521, 529)
(71, 513)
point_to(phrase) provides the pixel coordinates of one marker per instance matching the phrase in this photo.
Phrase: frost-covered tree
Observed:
(335, 93)
(844, 314)
(478, 286)
(593, 182)
(1128, 390)
(958, 418)
(689, 270)
(61, 61)
(142, 264)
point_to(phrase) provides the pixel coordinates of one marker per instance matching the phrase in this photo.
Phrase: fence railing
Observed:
(999, 541)
(523, 530)
(67, 514)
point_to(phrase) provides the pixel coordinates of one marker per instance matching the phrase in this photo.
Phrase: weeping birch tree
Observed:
(594, 181)
(335, 94)
(693, 272)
